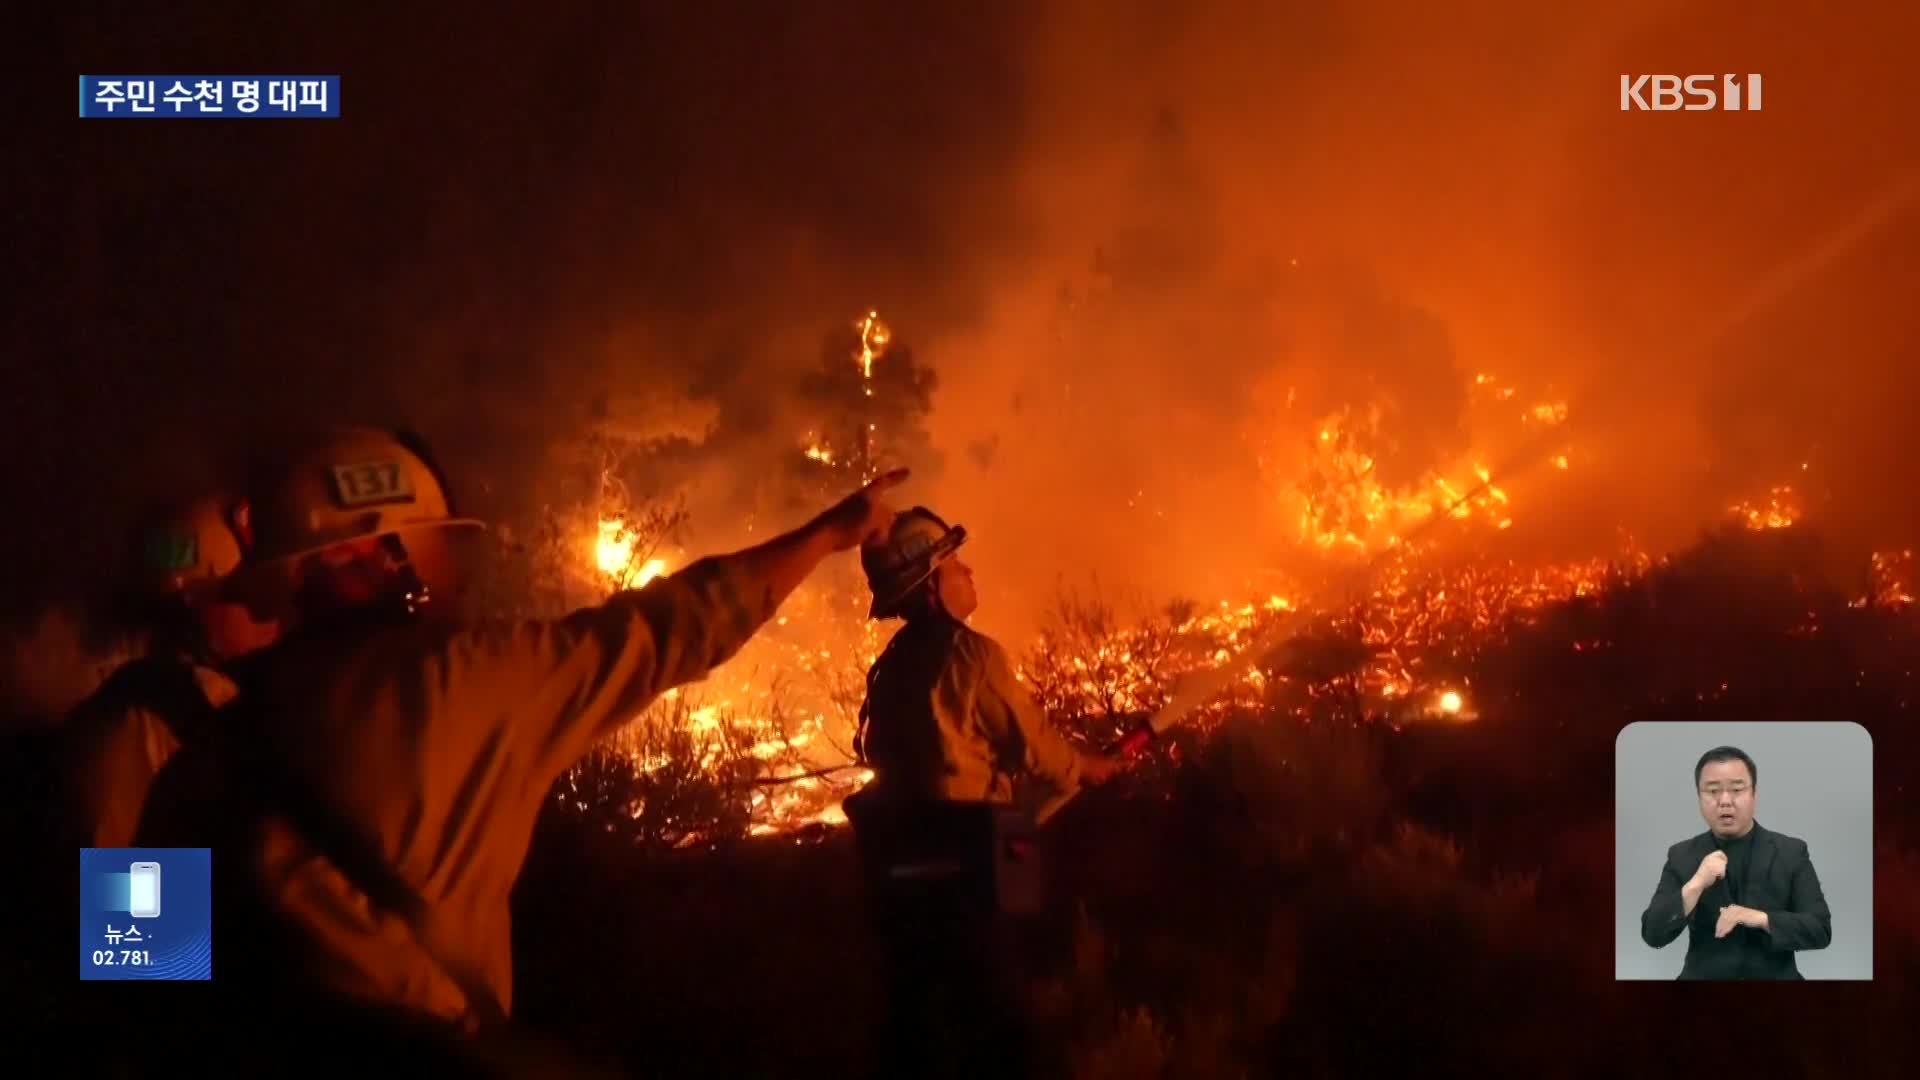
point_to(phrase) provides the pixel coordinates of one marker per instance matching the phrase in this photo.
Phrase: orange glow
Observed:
(1779, 510)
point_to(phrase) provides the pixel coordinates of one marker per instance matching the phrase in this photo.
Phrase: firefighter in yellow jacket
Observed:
(945, 718)
(118, 739)
(409, 755)
(950, 734)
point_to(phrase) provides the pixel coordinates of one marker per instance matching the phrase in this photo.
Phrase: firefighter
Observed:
(407, 756)
(118, 738)
(952, 737)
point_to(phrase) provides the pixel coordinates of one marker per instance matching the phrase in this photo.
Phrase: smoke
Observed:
(1146, 248)
(1237, 209)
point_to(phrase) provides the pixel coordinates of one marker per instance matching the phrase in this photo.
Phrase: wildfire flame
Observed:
(874, 338)
(1340, 503)
(613, 551)
(1780, 510)
(784, 707)
(613, 554)
(1890, 580)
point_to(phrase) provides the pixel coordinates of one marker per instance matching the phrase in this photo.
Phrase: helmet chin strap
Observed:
(924, 602)
(382, 581)
(411, 591)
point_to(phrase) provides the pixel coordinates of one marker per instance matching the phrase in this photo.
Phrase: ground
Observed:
(1199, 932)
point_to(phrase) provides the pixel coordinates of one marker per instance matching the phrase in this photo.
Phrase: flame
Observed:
(874, 338)
(1780, 510)
(782, 710)
(1890, 580)
(1417, 619)
(1406, 640)
(613, 554)
(613, 551)
(1332, 486)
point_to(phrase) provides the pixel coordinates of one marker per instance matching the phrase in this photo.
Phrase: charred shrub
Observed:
(669, 780)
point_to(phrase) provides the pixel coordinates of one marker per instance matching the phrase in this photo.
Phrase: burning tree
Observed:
(762, 744)
(869, 400)
(604, 522)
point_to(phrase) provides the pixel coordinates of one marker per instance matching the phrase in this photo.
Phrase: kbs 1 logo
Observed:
(1694, 93)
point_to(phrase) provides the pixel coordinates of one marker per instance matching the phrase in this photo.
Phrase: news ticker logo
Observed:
(153, 97)
(146, 913)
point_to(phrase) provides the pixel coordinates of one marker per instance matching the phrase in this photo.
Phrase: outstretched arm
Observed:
(594, 670)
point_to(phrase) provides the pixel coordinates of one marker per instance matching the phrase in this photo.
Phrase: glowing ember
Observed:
(1780, 510)
(1450, 702)
(1890, 580)
(1390, 646)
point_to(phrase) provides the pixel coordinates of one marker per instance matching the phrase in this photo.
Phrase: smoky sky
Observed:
(1123, 236)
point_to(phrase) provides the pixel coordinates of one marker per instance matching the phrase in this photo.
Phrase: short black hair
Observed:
(1725, 753)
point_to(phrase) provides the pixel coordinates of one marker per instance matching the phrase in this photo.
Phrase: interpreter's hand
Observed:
(1712, 868)
(1737, 915)
(861, 516)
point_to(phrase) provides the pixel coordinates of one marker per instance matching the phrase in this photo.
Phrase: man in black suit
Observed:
(1748, 895)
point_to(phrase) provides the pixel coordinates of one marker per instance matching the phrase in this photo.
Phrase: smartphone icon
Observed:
(146, 891)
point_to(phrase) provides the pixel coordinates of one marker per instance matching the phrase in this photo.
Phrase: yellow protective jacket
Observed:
(115, 741)
(440, 744)
(946, 719)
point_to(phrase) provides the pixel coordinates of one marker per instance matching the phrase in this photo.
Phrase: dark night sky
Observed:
(519, 212)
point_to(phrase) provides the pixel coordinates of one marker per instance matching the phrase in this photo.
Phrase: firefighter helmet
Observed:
(355, 484)
(914, 547)
(191, 546)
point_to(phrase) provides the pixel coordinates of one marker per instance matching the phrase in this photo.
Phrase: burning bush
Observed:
(1089, 666)
(678, 776)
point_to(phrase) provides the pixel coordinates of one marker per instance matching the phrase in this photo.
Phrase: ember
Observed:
(1780, 509)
